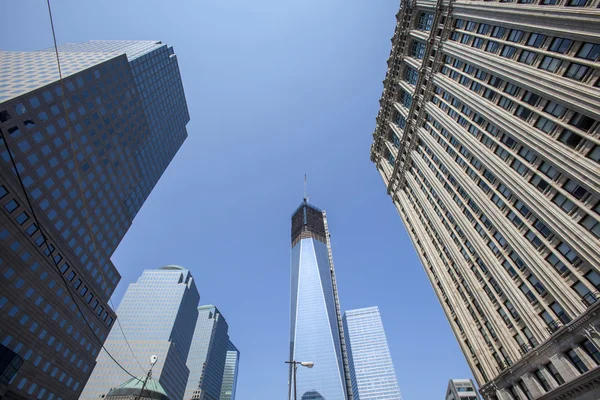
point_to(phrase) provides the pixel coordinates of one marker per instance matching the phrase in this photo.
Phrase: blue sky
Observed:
(275, 89)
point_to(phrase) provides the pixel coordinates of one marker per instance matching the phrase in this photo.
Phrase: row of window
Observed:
(50, 251)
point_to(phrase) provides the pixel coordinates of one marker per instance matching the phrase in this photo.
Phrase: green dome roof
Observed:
(153, 389)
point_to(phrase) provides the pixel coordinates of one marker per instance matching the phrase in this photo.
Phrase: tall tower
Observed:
(371, 367)
(230, 374)
(208, 355)
(487, 140)
(88, 150)
(316, 332)
(158, 314)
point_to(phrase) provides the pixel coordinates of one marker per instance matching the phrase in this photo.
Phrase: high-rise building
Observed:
(158, 315)
(207, 357)
(316, 332)
(371, 368)
(230, 373)
(89, 150)
(487, 140)
(461, 389)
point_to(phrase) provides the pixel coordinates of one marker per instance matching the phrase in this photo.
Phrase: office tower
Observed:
(158, 314)
(141, 388)
(230, 373)
(316, 332)
(126, 111)
(207, 356)
(487, 141)
(371, 368)
(461, 389)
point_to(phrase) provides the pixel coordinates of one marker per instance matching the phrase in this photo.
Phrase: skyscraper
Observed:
(230, 373)
(88, 150)
(371, 368)
(207, 357)
(158, 314)
(487, 141)
(316, 332)
(461, 389)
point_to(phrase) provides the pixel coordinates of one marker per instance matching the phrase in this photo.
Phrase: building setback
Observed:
(487, 140)
(371, 368)
(230, 374)
(316, 332)
(158, 314)
(207, 357)
(124, 106)
(461, 389)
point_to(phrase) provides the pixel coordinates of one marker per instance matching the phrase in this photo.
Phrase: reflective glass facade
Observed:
(230, 374)
(158, 315)
(88, 156)
(207, 357)
(371, 367)
(315, 334)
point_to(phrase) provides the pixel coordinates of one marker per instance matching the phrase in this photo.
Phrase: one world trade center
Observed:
(316, 332)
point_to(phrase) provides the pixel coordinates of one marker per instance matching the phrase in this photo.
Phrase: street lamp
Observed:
(307, 364)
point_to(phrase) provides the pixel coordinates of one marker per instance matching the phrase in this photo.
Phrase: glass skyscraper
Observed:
(207, 357)
(230, 373)
(158, 315)
(371, 367)
(316, 333)
(89, 151)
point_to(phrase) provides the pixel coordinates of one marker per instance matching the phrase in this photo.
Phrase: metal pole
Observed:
(295, 390)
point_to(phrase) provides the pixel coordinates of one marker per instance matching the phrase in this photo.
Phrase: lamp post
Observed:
(307, 364)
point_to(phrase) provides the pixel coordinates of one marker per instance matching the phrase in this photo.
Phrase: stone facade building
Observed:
(488, 142)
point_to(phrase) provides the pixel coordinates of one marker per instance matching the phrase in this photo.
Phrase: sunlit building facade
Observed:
(208, 355)
(371, 367)
(316, 332)
(487, 140)
(461, 389)
(89, 150)
(158, 315)
(230, 374)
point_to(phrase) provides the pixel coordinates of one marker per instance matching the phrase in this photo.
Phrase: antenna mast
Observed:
(305, 190)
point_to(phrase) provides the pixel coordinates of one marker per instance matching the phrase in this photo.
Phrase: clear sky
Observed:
(275, 89)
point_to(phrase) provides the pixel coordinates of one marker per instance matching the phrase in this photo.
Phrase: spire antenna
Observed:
(305, 190)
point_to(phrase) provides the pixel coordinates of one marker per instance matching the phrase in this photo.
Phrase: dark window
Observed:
(577, 71)
(591, 350)
(3, 191)
(22, 218)
(589, 51)
(77, 284)
(582, 122)
(560, 45)
(11, 205)
(498, 32)
(570, 138)
(71, 276)
(515, 35)
(525, 390)
(536, 40)
(555, 374)
(539, 374)
(577, 362)
(550, 64)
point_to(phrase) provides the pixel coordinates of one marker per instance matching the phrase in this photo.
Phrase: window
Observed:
(577, 71)
(525, 390)
(411, 75)
(527, 292)
(566, 251)
(527, 57)
(405, 99)
(560, 45)
(576, 361)
(550, 64)
(537, 285)
(498, 32)
(11, 205)
(555, 374)
(577, 3)
(589, 51)
(586, 294)
(508, 51)
(539, 374)
(560, 313)
(425, 21)
(575, 189)
(594, 278)
(555, 109)
(582, 122)
(418, 49)
(591, 350)
(569, 138)
(536, 40)
(548, 170)
(515, 35)
(483, 29)
(564, 203)
(492, 47)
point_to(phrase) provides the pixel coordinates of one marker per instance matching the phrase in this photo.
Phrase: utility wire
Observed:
(50, 253)
(94, 248)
